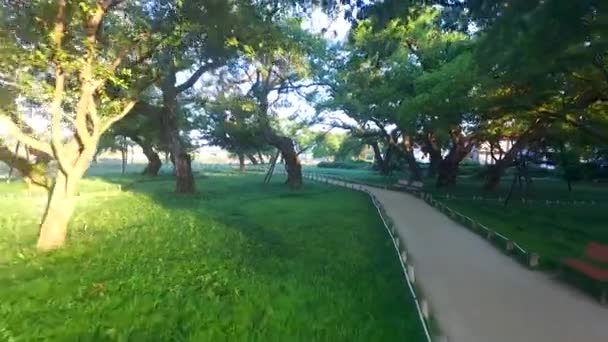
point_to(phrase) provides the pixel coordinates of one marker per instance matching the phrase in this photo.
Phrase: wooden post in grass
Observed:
(411, 274)
(490, 235)
(533, 260)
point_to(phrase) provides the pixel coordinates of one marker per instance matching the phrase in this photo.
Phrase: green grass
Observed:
(553, 231)
(360, 175)
(238, 262)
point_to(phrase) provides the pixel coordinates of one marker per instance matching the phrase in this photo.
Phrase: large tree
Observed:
(80, 66)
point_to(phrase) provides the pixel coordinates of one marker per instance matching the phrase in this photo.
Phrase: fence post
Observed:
(404, 256)
(533, 260)
(424, 307)
(411, 274)
(510, 246)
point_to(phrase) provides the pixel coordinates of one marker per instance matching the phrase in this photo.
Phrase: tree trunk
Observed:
(495, 172)
(284, 144)
(410, 159)
(252, 159)
(123, 154)
(290, 157)
(494, 175)
(59, 210)
(62, 197)
(380, 161)
(241, 162)
(261, 158)
(448, 172)
(431, 147)
(154, 162)
(292, 166)
(183, 173)
(448, 167)
(170, 124)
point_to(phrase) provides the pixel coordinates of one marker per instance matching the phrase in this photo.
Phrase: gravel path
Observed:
(478, 294)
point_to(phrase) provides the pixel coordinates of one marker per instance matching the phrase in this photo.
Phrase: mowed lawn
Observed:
(238, 262)
(554, 231)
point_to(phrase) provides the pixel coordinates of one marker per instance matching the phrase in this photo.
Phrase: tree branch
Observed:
(291, 86)
(28, 170)
(18, 134)
(106, 125)
(195, 76)
(56, 111)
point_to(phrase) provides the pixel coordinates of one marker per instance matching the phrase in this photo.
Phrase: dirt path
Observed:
(478, 294)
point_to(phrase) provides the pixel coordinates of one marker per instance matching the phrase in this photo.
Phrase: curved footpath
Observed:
(478, 294)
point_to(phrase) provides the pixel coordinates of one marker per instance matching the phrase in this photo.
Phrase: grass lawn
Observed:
(553, 231)
(360, 175)
(238, 262)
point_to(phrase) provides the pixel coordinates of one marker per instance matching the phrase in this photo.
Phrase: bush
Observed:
(594, 171)
(348, 165)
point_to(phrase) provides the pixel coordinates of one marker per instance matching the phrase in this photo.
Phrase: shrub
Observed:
(348, 165)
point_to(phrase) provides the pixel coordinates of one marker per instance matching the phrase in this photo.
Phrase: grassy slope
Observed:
(239, 262)
(554, 231)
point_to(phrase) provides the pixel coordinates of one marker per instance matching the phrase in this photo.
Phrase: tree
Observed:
(230, 122)
(62, 65)
(328, 145)
(205, 25)
(272, 69)
(350, 148)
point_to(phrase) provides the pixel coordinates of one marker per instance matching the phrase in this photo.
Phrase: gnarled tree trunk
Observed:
(448, 168)
(382, 162)
(154, 162)
(59, 210)
(408, 154)
(495, 172)
(170, 124)
(62, 197)
(183, 173)
(241, 162)
(289, 156)
(432, 148)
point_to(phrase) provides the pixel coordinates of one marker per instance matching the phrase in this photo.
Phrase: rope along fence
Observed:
(509, 246)
(407, 267)
(546, 202)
